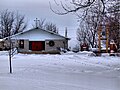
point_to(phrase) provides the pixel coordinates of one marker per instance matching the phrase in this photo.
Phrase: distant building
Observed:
(1, 44)
(38, 40)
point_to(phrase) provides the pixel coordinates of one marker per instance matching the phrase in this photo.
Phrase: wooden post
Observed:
(99, 37)
(107, 37)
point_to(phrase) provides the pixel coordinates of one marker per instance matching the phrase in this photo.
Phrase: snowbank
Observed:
(70, 71)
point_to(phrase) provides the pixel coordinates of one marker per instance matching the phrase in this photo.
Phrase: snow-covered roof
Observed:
(38, 34)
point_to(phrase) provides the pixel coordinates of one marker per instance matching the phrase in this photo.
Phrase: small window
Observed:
(21, 44)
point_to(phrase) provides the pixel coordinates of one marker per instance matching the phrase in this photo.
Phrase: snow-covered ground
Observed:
(71, 71)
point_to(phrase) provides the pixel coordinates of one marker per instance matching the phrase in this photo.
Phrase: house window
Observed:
(21, 44)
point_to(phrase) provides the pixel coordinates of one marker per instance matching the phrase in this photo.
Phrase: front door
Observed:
(37, 45)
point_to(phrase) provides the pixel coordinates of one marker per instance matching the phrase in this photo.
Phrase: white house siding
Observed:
(26, 46)
(58, 44)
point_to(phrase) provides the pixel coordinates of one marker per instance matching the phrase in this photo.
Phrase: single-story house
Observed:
(39, 40)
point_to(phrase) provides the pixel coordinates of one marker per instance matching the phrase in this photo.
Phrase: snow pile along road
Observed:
(71, 71)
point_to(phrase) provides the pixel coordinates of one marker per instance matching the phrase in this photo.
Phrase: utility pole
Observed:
(107, 37)
(66, 32)
(99, 38)
(99, 28)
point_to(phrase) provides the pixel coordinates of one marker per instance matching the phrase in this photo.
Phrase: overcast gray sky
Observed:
(39, 9)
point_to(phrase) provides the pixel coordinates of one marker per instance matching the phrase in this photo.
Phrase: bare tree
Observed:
(92, 13)
(114, 22)
(6, 23)
(45, 25)
(51, 27)
(11, 23)
(87, 31)
(42, 23)
(86, 34)
(19, 23)
(114, 32)
(82, 34)
(76, 5)
(82, 8)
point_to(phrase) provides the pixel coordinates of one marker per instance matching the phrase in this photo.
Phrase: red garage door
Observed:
(38, 45)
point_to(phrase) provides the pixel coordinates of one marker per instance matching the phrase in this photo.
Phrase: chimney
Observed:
(66, 32)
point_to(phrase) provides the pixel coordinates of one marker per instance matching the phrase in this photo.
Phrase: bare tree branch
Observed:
(11, 23)
(19, 24)
(78, 5)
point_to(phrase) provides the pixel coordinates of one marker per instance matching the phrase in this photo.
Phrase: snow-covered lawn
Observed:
(71, 71)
